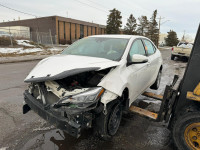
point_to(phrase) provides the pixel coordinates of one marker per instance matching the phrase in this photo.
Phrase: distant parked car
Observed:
(5, 34)
(183, 49)
(92, 81)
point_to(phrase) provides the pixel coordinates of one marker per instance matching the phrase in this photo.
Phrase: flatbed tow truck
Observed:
(180, 107)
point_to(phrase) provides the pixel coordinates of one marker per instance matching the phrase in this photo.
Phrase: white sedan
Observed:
(92, 81)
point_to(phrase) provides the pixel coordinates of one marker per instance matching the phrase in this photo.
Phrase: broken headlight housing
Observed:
(82, 99)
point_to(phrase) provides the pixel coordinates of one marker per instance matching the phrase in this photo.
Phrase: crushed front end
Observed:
(70, 103)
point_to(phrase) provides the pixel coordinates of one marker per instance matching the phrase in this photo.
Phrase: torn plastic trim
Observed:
(60, 92)
(61, 75)
(108, 96)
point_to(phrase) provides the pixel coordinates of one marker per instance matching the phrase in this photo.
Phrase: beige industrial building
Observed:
(59, 30)
(162, 38)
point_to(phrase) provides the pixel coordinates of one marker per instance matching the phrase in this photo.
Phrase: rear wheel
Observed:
(186, 131)
(156, 84)
(172, 57)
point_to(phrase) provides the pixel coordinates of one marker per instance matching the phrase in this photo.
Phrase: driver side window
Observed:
(137, 48)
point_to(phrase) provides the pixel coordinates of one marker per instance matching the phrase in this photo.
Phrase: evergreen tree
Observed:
(130, 25)
(171, 39)
(153, 28)
(114, 22)
(143, 25)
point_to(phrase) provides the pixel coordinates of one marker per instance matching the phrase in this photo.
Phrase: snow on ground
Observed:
(24, 43)
(19, 50)
(29, 48)
(3, 148)
(56, 49)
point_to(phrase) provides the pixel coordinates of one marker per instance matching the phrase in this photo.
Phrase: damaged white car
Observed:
(92, 82)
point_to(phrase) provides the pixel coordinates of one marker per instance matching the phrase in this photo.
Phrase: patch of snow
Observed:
(152, 101)
(30, 50)
(19, 50)
(55, 49)
(189, 45)
(9, 50)
(24, 43)
(3, 148)
(168, 48)
(44, 128)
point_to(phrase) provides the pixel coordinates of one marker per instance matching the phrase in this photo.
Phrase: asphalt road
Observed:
(29, 131)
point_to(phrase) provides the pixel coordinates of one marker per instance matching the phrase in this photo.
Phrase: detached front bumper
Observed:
(70, 126)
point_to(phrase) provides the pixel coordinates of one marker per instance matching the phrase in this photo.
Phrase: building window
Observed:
(64, 31)
(81, 31)
(70, 31)
(75, 32)
(87, 30)
(58, 31)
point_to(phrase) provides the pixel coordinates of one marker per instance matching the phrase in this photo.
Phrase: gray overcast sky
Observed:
(183, 14)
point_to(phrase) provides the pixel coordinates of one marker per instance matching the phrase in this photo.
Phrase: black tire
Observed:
(185, 59)
(172, 57)
(156, 84)
(108, 123)
(180, 130)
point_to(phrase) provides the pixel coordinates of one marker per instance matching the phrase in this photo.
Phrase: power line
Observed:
(18, 10)
(92, 6)
(97, 4)
(104, 6)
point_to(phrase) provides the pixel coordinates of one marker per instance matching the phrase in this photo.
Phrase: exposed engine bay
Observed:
(74, 99)
(62, 92)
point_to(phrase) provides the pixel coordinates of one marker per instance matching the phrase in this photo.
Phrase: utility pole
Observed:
(67, 14)
(160, 23)
(183, 38)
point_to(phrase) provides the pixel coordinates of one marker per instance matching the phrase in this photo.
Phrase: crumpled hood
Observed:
(61, 66)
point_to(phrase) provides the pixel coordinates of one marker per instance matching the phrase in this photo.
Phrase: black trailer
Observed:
(180, 106)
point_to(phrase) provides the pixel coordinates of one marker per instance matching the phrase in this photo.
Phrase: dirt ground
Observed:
(29, 131)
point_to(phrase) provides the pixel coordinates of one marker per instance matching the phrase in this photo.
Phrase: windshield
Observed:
(109, 48)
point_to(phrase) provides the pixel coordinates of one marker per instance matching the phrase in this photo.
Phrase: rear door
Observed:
(153, 57)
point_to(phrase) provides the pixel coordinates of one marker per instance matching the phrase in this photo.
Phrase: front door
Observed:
(137, 73)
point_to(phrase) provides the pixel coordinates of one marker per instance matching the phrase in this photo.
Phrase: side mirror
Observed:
(136, 58)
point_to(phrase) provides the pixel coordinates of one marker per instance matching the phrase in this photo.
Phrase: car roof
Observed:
(117, 36)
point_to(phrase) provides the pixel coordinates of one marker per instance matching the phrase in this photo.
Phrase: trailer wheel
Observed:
(108, 124)
(186, 131)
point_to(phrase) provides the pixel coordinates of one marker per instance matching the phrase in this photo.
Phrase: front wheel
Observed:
(186, 131)
(108, 123)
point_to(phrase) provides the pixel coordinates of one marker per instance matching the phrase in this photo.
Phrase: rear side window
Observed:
(149, 47)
